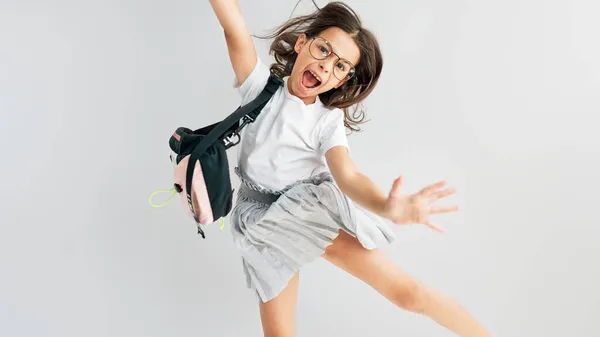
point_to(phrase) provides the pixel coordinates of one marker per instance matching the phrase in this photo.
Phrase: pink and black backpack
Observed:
(202, 176)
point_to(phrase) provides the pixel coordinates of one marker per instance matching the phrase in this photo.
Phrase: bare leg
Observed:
(279, 314)
(380, 272)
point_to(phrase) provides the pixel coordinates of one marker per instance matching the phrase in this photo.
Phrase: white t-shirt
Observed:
(289, 139)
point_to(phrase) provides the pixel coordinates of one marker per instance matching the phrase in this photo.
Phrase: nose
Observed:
(322, 66)
(327, 64)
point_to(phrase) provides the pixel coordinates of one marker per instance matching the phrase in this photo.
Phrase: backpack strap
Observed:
(244, 119)
(247, 114)
(272, 85)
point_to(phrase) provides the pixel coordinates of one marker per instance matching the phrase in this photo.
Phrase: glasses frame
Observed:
(352, 71)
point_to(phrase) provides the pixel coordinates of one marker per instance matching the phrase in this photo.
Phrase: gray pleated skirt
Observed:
(277, 232)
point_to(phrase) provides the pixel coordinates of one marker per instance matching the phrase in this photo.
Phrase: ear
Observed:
(300, 43)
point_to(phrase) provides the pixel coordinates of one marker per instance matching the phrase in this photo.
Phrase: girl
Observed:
(301, 193)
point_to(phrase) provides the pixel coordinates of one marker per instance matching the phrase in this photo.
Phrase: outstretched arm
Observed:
(398, 207)
(353, 183)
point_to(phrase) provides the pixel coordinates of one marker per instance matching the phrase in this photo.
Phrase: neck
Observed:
(307, 100)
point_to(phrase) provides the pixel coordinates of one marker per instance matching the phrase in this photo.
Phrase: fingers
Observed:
(438, 210)
(427, 191)
(434, 227)
(432, 192)
(396, 192)
(443, 194)
(443, 209)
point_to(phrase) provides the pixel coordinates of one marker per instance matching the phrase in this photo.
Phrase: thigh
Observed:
(278, 315)
(373, 267)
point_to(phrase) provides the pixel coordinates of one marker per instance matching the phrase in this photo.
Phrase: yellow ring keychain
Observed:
(161, 191)
(170, 199)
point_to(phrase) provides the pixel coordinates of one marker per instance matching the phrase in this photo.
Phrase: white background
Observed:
(499, 97)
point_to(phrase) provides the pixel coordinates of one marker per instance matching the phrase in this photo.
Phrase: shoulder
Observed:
(254, 83)
(332, 130)
(331, 118)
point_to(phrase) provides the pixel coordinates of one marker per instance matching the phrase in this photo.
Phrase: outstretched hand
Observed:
(405, 209)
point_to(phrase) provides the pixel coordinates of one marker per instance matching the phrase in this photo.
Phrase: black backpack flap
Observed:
(181, 142)
(184, 141)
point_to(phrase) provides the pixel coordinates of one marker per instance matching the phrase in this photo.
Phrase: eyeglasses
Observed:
(321, 49)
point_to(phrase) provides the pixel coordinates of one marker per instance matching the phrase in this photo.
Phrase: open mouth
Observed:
(310, 80)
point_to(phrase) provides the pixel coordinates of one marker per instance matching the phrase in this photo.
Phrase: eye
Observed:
(323, 49)
(341, 66)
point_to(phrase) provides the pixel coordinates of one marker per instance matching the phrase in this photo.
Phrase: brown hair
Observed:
(368, 69)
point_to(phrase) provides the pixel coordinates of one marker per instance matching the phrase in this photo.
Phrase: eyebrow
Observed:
(333, 52)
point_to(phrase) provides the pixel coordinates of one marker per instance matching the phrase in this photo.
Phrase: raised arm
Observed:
(242, 53)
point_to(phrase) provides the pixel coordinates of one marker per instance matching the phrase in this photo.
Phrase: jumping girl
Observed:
(301, 195)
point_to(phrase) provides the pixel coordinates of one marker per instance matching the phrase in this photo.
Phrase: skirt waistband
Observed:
(262, 197)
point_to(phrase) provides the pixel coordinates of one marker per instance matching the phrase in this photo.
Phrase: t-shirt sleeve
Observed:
(333, 132)
(254, 83)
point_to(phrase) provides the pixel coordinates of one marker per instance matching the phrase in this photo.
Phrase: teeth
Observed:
(316, 76)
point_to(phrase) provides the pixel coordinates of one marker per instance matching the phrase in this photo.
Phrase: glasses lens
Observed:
(320, 49)
(343, 70)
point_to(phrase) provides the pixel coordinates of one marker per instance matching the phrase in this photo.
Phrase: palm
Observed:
(416, 208)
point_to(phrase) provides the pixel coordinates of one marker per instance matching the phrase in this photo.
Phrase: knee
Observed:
(411, 296)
